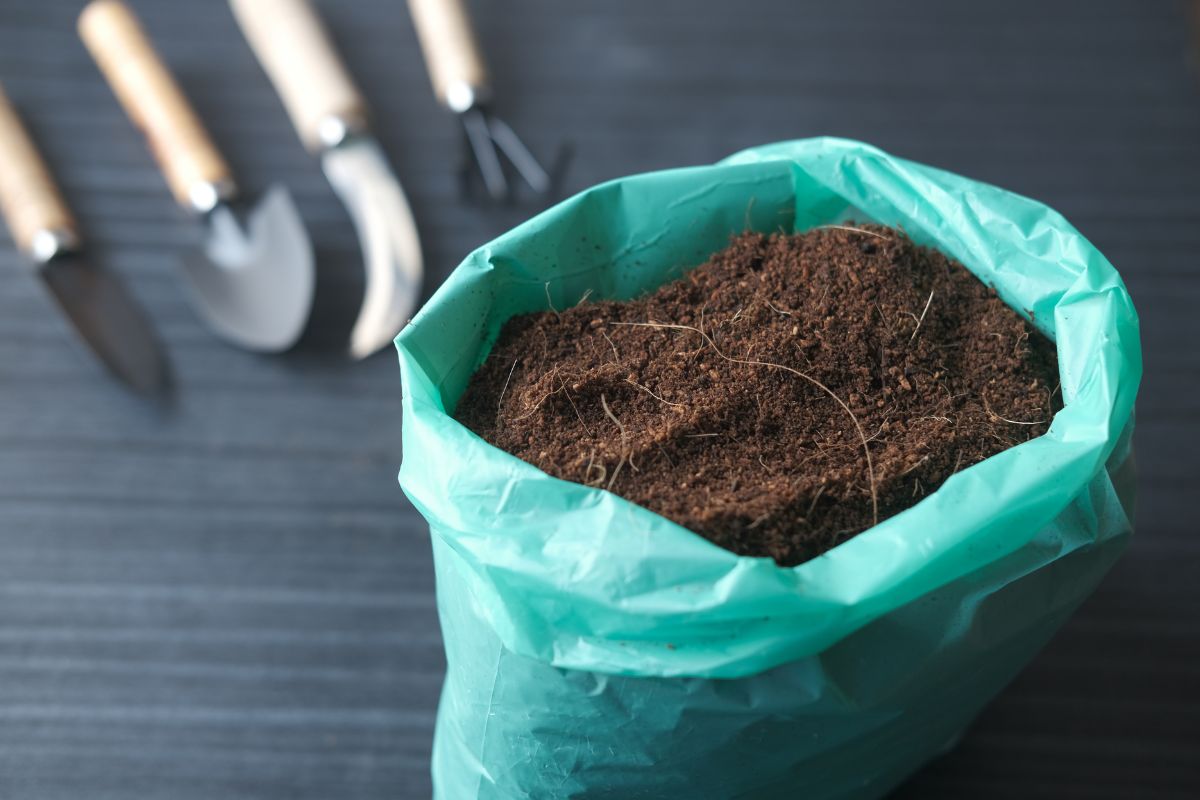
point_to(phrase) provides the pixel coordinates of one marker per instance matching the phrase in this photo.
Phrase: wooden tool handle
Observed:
(188, 158)
(295, 50)
(451, 51)
(28, 197)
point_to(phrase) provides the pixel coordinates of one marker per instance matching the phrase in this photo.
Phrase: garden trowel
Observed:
(330, 116)
(93, 299)
(253, 286)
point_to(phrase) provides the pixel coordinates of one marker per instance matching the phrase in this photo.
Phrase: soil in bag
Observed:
(779, 398)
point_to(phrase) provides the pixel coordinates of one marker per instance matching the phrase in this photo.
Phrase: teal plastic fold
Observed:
(561, 602)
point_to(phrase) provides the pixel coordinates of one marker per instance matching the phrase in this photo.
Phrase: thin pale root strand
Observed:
(533, 410)
(652, 394)
(855, 230)
(993, 415)
(500, 400)
(624, 446)
(755, 363)
(922, 318)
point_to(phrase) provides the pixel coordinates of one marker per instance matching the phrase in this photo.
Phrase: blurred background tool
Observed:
(330, 115)
(253, 287)
(460, 81)
(234, 600)
(105, 316)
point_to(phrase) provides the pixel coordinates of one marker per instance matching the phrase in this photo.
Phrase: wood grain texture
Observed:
(153, 101)
(231, 598)
(29, 200)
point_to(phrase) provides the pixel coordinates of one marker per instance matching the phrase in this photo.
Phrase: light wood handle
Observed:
(298, 56)
(28, 196)
(154, 102)
(451, 52)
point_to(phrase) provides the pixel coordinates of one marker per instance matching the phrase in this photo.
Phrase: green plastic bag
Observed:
(595, 649)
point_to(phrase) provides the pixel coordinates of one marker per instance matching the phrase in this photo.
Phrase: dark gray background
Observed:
(234, 599)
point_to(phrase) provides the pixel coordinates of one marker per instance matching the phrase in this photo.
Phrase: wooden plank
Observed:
(233, 599)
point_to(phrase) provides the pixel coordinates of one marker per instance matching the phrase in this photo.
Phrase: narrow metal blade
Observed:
(109, 321)
(391, 248)
(255, 288)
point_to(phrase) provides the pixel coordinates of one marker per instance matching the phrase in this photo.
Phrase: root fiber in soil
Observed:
(781, 397)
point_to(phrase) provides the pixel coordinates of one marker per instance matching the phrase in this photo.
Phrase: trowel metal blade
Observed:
(361, 176)
(108, 321)
(255, 287)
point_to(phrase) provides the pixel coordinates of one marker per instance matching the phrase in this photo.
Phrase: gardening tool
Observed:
(254, 286)
(105, 316)
(460, 82)
(330, 116)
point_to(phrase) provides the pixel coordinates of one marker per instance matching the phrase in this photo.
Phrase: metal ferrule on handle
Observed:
(197, 174)
(41, 224)
(452, 53)
(298, 56)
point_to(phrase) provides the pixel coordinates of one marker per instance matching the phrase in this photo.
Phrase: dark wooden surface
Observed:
(232, 598)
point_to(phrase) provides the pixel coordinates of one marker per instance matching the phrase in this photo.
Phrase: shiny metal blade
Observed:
(392, 251)
(109, 321)
(255, 288)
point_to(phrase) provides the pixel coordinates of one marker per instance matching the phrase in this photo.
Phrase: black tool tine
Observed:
(518, 154)
(559, 166)
(482, 146)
